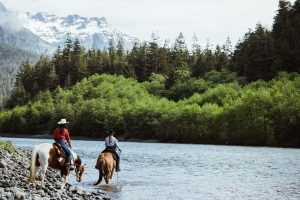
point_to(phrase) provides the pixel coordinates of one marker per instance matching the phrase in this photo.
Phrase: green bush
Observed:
(7, 145)
(260, 113)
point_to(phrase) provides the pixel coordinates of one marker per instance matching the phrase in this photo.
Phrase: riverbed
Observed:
(186, 171)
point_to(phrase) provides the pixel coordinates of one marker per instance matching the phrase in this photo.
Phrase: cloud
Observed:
(9, 20)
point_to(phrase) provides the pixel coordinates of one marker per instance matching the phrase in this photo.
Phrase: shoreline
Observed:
(14, 174)
(78, 138)
(121, 139)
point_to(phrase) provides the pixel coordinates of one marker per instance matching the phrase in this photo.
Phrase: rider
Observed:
(111, 144)
(62, 137)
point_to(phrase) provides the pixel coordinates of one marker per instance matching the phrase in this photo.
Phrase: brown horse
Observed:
(45, 155)
(106, 165)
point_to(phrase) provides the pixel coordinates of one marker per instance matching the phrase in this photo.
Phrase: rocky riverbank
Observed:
(14, 175)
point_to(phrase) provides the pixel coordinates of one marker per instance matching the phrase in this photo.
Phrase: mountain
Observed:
(42, 32)
(92, 32)
(10, 61)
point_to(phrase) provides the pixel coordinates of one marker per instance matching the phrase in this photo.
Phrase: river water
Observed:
(185, 171)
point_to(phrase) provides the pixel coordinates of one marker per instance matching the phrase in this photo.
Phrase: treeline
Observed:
(168, 92)
(261, 113)
(72, 63)
(261, 54)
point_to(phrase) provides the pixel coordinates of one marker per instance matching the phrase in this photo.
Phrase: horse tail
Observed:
(101, 171)
(34, 156)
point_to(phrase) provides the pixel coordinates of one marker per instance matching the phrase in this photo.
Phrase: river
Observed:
(186, 171)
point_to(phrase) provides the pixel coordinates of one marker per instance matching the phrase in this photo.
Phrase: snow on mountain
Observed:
(50, 31)
(92, 32)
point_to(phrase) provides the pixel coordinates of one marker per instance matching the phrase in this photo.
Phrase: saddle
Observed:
(113, 152)
(59, 150)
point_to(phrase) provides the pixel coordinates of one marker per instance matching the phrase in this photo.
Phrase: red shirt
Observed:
(62, 136)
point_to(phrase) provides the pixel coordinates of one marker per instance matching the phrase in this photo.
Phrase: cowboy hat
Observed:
(63, 121)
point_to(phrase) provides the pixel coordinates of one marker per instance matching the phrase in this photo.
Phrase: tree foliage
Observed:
(260, 113)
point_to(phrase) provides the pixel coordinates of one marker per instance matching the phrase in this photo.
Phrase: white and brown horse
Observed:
(106, 165)
(45, 155)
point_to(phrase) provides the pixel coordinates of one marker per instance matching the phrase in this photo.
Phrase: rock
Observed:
(19, 194)
(3, 163)
(14, 185)
(79, 191)
(38, 187)
(41, 192)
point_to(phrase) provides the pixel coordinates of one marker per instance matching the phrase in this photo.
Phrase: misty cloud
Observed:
(9, 20)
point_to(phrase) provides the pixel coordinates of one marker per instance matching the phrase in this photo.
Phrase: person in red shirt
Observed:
(61, 136)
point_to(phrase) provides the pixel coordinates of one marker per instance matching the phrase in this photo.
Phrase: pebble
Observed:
(14, 175)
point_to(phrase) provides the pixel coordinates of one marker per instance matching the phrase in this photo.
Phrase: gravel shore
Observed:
(14, 175)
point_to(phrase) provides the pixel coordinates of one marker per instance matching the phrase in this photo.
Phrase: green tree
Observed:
(78, 62)
(254, 56)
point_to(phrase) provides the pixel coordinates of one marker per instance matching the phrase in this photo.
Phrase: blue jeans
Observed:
(66, 149)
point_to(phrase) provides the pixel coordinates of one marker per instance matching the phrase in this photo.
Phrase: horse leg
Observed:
(111, 174)
(63, 182)
(106, 179)
(43, 172)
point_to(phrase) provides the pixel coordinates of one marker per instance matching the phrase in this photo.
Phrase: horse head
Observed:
(79, 169)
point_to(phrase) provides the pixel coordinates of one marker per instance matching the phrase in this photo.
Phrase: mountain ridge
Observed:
(51, 30)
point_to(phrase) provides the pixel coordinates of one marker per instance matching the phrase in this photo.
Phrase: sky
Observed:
(209, 20)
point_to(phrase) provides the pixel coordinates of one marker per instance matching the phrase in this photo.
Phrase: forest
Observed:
(247, 95)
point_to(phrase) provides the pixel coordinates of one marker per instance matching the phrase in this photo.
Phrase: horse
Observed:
(45, 155)
(106, 165)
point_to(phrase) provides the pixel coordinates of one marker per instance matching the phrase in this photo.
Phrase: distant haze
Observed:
(208, 19)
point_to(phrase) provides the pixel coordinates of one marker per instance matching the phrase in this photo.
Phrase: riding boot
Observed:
(118, 165)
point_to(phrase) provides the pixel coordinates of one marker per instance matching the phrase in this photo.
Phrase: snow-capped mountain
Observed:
(92, 32)
(46, 32)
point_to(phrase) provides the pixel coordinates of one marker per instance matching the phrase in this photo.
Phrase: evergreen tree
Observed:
(65, 70)
(254, 56)
(19, 95)
(112, 57)
(180, 53)
(283, 40)
(45, 77)
(137, 59)
(221, 58)
(152, 55)
(120, 58)
(78, 63)
(57, 60)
